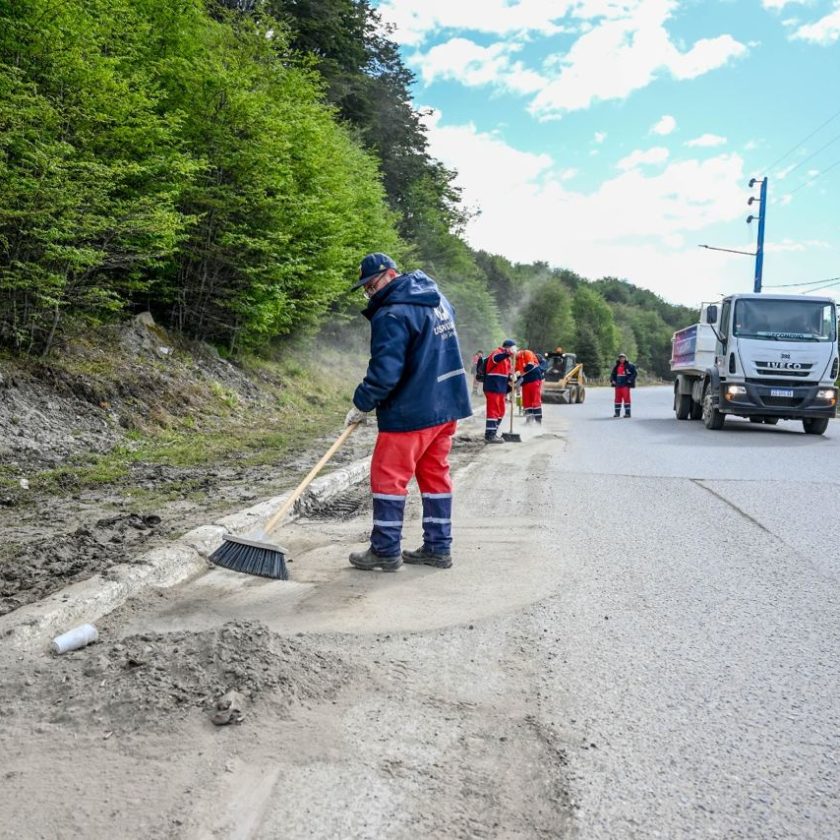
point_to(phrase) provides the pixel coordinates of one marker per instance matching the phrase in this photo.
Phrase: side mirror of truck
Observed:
(711, 314)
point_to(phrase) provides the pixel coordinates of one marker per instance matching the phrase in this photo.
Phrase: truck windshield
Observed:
(785, 320)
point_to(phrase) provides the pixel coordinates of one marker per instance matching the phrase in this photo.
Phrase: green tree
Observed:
(546, 320)
(89, 165)
(588, 352)
(593, 316)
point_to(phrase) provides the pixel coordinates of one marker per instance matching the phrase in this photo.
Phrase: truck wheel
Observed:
(712, 418)
(771, 421)
(696, 410)
(683, 406)
(572, 394)
(815, 425)
(755, 419)
(581, 395)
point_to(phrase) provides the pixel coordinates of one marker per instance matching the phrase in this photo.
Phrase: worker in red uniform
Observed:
(530, 376)
(622, 378)
(498, 381)
(417, 384)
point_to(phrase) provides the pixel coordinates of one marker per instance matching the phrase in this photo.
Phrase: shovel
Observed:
(511, 437)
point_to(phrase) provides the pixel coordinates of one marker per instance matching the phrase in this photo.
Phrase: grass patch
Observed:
(303, 400)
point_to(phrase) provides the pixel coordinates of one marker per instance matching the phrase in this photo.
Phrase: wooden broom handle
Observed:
(513, 391)
(298, 491)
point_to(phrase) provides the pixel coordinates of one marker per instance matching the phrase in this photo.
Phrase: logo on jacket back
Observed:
(446, 327)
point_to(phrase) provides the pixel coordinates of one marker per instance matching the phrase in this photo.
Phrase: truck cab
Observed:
(775, 358)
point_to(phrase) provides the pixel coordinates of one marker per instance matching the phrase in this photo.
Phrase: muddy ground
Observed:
(237, 728)
(332, 735)
(65, 517)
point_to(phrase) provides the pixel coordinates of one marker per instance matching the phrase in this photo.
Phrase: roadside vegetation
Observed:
(222, 165)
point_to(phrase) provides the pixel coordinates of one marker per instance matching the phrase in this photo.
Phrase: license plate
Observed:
(781, 392)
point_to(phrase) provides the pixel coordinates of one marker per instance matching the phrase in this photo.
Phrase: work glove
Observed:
(355, 415)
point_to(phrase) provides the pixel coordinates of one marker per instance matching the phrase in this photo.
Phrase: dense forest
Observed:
(225, 163)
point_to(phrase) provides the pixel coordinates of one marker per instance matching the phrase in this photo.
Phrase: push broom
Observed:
(510, 436)
(256, 554)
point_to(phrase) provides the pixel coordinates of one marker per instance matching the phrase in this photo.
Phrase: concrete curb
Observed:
(30, 628)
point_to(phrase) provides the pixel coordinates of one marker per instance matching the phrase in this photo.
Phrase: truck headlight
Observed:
(829, 395)
(733, 391)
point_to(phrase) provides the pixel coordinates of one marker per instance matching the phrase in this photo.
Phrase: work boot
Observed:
(427, 558)
(370, 560)
(494, 440)
(627, 416)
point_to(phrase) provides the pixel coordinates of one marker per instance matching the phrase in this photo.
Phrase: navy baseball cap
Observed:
(508, 342)
(372, 265)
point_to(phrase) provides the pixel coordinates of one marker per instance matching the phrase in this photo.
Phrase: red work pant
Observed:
(397, 457)
(622, 395)
(424, 453)
(531, 394)
(495, 405)
(495, 413)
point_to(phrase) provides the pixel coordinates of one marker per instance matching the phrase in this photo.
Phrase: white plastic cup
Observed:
(74, 639)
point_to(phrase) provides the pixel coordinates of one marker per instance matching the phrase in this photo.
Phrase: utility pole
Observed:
(762, 212)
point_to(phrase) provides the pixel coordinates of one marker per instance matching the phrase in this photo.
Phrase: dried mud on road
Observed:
(372, 737)
(338, 735)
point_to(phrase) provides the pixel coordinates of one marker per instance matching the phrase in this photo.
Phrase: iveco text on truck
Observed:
(765, 357)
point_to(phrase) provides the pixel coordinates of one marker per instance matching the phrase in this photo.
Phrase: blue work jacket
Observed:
(628, 378)
(415, 377)
(497, 377)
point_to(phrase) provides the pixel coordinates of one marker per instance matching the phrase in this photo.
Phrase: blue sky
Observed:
(612, 137)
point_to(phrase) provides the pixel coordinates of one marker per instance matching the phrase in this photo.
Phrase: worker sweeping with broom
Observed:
(498, 382)
(530, 376)
(417, 383)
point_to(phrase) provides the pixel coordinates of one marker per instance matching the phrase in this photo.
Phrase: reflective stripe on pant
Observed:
(397, 457)
(532, 400)
(495, 413)
(622, 395)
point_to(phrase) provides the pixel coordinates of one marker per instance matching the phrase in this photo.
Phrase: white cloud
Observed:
(621, 46)
(825, 31)
(416, 20)
(600, 136)
(624, 54)
(790, 245)
(633, 225)
(658, 154)
(707, 141)
(665, 126)
(783, 173)
(778, 5)
(474, 65)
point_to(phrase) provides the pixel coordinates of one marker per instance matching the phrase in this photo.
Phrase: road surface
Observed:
(639, 638)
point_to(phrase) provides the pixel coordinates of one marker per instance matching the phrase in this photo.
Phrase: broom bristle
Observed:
(251, 560)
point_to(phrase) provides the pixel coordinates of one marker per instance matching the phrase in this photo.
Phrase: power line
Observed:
(822, 288)
(801, 142)
(813, 154)
(802, 285)
(816, 177)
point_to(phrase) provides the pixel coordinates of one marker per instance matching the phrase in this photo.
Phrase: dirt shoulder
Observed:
(436, 728)
(129, 438)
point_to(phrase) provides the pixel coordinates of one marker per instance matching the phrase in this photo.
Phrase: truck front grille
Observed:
(802, 370)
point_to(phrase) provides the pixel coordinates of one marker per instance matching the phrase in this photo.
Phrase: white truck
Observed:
(765, 357)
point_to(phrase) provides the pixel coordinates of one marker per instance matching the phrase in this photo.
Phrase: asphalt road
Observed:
(660, 601)
(639, 638)
(711, 683)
